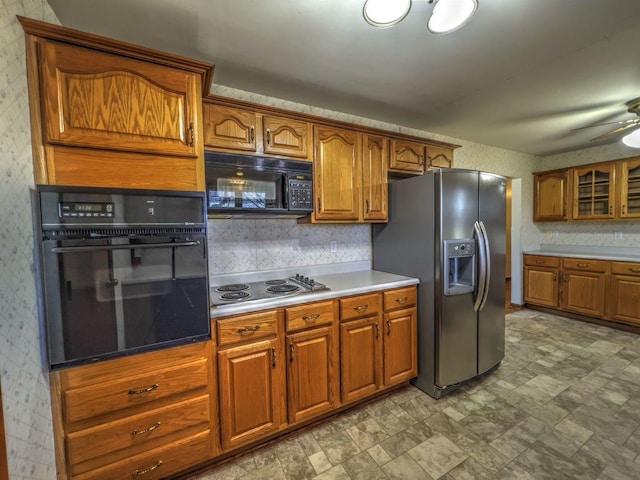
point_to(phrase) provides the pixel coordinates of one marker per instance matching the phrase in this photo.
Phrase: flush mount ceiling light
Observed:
(633, 139)
(447, 16)
(384, 13)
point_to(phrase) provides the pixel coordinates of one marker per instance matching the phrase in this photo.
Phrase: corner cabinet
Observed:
(551, 196)
(105, 113)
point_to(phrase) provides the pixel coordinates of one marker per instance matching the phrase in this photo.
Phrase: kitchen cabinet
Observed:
(229, 128)
(624, 292)
(251, 373)
(629, 181)
(551, 196)
(541, 280)
(400, 336)
(360, 346)
(594, 192)
(439, 157)
(375, 160)
(150, 413)
(583, 286)
(105, 113)
(407, 157)
(242, 130)
(312, 350)
(336, 175)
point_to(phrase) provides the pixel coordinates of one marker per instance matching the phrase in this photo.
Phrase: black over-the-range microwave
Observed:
(259, 187)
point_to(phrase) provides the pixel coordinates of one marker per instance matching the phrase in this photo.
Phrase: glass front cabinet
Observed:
(629, 180)
(594, 192)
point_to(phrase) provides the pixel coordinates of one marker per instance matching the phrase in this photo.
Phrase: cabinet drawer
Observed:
(399, 298)
(309, 315)
(360, 306)
(128, 436)
(587, 265)
(247, 327)
(110, 396)
(541, 261)
(158, 463)
(625, 268)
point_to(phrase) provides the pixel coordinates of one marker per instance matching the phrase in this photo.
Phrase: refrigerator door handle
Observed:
(482, 265)
(487, 259)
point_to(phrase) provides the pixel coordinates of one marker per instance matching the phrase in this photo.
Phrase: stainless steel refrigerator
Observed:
(448, 228)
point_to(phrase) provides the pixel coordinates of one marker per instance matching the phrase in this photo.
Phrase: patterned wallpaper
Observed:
(25, 386)
(592, 233)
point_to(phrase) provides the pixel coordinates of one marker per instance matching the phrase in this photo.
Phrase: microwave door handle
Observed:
(285, 191)
(98, 248)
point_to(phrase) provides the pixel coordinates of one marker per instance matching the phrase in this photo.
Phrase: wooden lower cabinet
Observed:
(251, 385)
(151, 414)
(400, 346)
(360, 358)
(603, 289)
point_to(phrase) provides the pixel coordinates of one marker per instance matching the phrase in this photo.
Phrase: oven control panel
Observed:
(85, 209)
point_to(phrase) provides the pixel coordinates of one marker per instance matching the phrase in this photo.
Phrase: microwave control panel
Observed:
(300, 194)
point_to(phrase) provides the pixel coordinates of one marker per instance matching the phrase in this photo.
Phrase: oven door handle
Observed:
(123, 247)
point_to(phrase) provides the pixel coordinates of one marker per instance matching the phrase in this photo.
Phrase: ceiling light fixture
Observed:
(633, 139)
(447, 15)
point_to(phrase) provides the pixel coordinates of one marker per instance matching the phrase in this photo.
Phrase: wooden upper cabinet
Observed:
(407, 156)
(550, 196)
(108, 113)
(629, 182)
(375, 159)
(336, 174)
(285, 136)
(439, 157)
(594, 192)
(229, 128)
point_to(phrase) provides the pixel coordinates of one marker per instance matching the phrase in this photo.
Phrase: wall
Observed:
(266, 244)
(25, 387)
(591, 233)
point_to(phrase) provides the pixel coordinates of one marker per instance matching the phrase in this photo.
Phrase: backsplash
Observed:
(253, 245)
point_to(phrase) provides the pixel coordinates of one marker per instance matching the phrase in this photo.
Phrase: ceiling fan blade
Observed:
(617, 130)
(625, 122)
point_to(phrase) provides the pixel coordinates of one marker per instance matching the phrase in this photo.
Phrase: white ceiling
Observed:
(521, 75)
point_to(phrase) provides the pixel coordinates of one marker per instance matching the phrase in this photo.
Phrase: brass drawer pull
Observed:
(146, 430)
(147, 470)
(401, 299)
(388, 327)
(583, 265)
(248, 329)
(541, 261)
(273, 356)
(310, 318)
(361, 308)
(252, 134)
(377, 329)
(268, 137)
(143, 390)
(634, 270)
(192, 139)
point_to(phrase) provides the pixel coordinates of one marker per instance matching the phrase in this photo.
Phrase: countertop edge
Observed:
(400, 281)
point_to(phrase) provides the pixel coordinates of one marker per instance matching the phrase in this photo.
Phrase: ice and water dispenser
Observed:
(459, 266)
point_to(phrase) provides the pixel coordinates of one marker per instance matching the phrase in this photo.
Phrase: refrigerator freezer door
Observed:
(492, 214)
(456, 321)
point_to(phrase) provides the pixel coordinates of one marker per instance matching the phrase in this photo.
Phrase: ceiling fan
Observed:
(633, 106)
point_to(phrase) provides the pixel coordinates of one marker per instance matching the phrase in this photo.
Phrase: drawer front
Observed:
(138, 433)
(399, 298)
(541, 261)
(247, 327)
(587, 265)
(625, 268)
(158, 463)
(360, 306)
(309, 315)
(111, 396)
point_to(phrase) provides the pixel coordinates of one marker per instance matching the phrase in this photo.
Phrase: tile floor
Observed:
(564, 404)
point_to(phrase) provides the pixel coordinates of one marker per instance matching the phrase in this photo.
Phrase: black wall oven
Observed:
(123, 271)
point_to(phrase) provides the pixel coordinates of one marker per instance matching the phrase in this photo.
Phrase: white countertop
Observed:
(341, 284)
(621, 254)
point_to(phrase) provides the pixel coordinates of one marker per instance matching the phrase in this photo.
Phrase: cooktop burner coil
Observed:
(234, 295)
(233, 287)
(286, 288)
